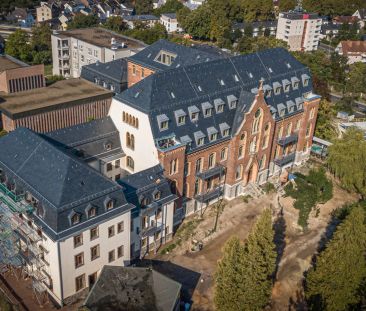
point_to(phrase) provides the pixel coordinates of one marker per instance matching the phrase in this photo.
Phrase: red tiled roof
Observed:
(353, 47)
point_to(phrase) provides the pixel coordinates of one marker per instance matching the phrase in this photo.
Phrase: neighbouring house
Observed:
(217, 127)
(64, 19)
(47, 11)
(111, 75)
(163, 55)
(73, 49)
(361, 15)
(22, 17)
(170, 22)
(350, 20)
(300, 29)
(262, 28)
(16, 76)
(62, 104)
(133, 288)
(147, 20)
(355, 51)
(330, 31)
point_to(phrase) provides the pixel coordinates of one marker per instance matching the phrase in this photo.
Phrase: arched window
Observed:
(241, 152)
(199, 164)
(124, 116)
(262, 162)
(288, 129)
(109, 204)
(128, 139)
(75, 219)
(212, 160)
(157, 195)
(308, 130)
(173, 166)
(133, 121)
(223, 154)
(267, 129)
(253, 145)
(257, 121)
(132, 141)
(173, 186)
(137, 122)
(280, 132)
(130, 163)
(239, 172)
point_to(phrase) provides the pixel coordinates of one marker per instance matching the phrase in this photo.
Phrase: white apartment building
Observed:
(170, 22)
(75, 48)
(299, 29)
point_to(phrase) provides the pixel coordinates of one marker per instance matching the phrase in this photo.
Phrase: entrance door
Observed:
(92, 279)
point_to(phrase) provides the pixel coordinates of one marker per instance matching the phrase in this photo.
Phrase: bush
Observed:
(310, 190)
(269, 187)
(246, 198)
(52, 79)
(168, 249)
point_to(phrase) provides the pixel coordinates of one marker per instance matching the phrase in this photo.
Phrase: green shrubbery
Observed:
(269, 187)
(309, 191)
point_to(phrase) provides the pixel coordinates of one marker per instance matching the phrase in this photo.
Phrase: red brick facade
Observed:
(136, 73)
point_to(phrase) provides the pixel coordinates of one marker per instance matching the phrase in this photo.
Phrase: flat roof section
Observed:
(101, 37)
(61, 92)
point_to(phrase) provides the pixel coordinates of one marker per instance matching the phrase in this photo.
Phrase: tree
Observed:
(346, 160)
(287, 5)
(18, 46)
(244, 277)
(182, 16)
(333, 283)
(228, 276)
(143, 6)
(260, 264)
(115, 23)
(324, 128)
(248, 31)
(171, 6)
(41, 44)
(148, 35)
(356, 79)
(83, 21)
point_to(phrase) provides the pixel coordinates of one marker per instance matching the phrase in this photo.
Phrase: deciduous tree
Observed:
(18, 45)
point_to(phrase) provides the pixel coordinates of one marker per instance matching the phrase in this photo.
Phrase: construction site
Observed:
(22, 244)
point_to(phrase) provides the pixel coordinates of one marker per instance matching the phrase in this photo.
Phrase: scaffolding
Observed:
(21, 248)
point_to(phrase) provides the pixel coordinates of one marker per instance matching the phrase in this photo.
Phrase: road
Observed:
(6, 30)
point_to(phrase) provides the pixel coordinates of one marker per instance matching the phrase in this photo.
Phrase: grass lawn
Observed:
(48, 70)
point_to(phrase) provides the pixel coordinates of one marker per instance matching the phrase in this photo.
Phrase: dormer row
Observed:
(193, 112)
(289, 105)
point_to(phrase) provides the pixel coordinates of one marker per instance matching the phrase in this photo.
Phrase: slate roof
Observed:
(145, 184)
(238, 77)
(130, 288)
(115, 70)
(145, 17)
(185, 55)
(170, 15)
(97, 139)
(62, 184)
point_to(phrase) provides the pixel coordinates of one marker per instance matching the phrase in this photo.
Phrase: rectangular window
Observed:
(134, 70)
(181, 120)
(120, 227)
(111, 231)
(117, 164)
(208, 112)
(164, 125)
(79, 282)
(109, 167)
(94, 252)
(79, 260)
(94, 233)
(226, 132)
(111, 256)
(78, 240)
(200, 141)
(194, 116)
(120, 251)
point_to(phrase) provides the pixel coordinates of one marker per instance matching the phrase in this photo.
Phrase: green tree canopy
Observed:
(144, 6)
(83, 21)
(333, 7)
(115, 23)
(333, 283)
(171, 6)
(18, 45)
(347, 160)
(356, 79)
(287, 5)
(244, 277)
(148, 35)
(324, 128)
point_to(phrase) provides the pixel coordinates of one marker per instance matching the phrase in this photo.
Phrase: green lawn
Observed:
(48, 70)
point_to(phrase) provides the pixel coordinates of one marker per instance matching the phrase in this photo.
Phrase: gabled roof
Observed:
(180, 88)
(115, 70)
(60, 182)
(353, 47)
(184, 55)
(130, 288)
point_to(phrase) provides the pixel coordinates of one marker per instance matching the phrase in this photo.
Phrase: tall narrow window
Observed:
(130, 163)
(239, 172)
(257, 121)
(173, 166)
(199, 165)
(212, 160)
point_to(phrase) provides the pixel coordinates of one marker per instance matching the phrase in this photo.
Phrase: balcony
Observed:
(285, 160)
(215, 171)
(150, 230)
(288, 140)
(210, 195)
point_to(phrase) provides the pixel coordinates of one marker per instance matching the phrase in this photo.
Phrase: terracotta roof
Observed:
(353, 47)
(346, 19)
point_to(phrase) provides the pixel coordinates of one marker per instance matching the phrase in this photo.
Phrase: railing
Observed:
(285, 160)
(217, 170)
(211, 194)
(288, 140)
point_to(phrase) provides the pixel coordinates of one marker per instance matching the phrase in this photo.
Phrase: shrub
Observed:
(269, 187)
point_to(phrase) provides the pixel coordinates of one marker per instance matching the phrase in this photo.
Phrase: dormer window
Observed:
(180, 117)
(194, 116)
(200, 138)
(165, 58)
(181, 120)
(305, 79)
(286, 85)
(92, 212)
(157, 195)
(277, 88)
(219, 105)
(224, 129)
(233, 101)
(212, 133)
(281, 108)
(193, 113)
(295, 83)
(163, 122)
(200, 141)
(267, 90)
(290, 106)
(109, 204)
(207, 109)
(75, 219)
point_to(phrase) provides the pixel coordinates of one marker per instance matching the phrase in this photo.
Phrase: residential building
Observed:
(329, 31)
(355, 51)
(163, 55)
(96, 143)
(69, 220)
(218, 127)
(170, 22)
(62, 104)
(111, 75)
(47, 11)
(16, 76)
(133, 289)
(301, 30)
(361, 15)
(154, 216)
(21, 17)
(73, 49)
(263, 28)
(147, 20)
(350, 20)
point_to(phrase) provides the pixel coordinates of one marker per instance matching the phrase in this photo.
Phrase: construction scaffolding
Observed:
(21, 249)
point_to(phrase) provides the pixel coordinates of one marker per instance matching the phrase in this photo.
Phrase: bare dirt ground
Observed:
(238, 217)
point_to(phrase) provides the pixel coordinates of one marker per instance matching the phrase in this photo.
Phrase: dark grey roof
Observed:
(144, 184)
(134, 289)
(140, 17)
(185, 55)
(97, 139)
(170, 15)
(218, 79)
(115, 70)
(62, 184)
(298, 14)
